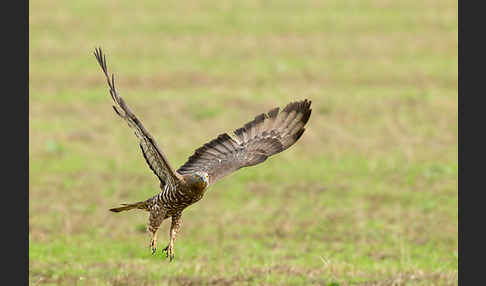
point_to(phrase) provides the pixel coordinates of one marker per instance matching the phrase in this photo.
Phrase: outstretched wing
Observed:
(266, 135)
(154, 156)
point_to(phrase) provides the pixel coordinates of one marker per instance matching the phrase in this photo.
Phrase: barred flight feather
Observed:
(268, 134)
(153, 155)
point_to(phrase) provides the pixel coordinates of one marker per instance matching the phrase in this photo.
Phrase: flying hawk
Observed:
(266, 135)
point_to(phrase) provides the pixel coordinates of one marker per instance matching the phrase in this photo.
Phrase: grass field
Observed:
(368, 196)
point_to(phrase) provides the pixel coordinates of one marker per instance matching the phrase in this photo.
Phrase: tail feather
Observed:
(126, 207)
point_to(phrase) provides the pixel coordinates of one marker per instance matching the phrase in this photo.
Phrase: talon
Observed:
(169, 252)
(153, 247)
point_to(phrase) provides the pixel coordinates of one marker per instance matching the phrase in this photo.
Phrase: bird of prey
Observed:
(268, 134)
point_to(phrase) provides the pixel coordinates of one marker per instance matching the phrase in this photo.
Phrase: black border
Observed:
(15, 141)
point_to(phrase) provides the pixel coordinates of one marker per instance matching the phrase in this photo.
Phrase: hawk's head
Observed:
(199, 179)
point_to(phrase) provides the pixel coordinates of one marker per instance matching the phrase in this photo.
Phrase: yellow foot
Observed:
(153, 246)
(169, 249)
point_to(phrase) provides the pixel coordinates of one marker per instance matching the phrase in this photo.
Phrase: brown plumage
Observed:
(268, 134)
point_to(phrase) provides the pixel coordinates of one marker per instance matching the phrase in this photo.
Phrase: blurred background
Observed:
(367, 196)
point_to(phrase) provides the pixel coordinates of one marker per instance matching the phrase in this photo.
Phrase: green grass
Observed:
(368, 196)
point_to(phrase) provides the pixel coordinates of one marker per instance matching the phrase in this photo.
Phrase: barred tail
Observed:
(140, 205)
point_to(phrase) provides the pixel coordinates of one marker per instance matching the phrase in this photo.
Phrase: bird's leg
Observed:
(153, 242)
(174, 228)
(155, 220)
